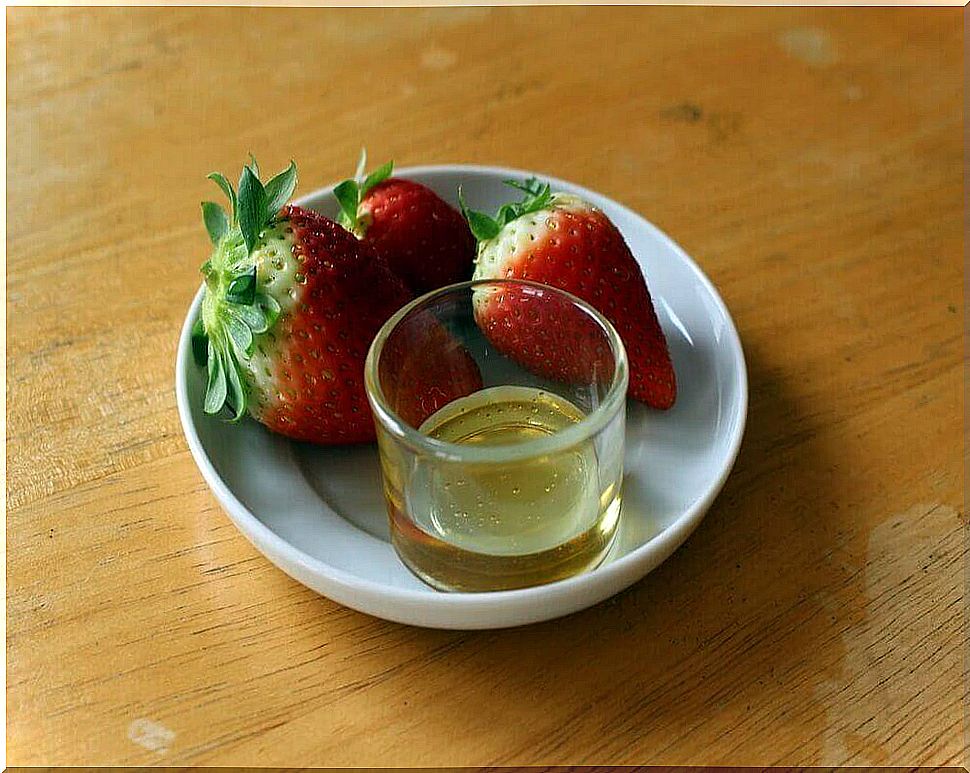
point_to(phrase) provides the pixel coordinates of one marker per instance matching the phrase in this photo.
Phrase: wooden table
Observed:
(811, 161)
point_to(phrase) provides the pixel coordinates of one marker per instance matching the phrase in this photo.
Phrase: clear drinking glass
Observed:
(500, 409)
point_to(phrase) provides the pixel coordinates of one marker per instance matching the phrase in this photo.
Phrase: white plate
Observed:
(317, 512)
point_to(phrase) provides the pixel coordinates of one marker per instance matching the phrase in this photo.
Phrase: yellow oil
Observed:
(492, 526)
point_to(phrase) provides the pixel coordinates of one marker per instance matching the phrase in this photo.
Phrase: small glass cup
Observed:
(500, 409)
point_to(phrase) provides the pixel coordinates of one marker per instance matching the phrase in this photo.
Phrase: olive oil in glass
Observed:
(472, 525)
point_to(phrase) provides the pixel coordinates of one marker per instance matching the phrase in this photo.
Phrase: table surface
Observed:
(809, 159)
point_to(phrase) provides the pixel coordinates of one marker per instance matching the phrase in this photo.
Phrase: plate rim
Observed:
(677, 532)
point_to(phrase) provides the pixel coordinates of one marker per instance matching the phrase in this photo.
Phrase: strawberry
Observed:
(544, 332)
(425, 241)
(413, 385)
(292, 302)
(560, 240)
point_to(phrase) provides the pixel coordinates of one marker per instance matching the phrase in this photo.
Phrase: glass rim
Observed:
(582, 430)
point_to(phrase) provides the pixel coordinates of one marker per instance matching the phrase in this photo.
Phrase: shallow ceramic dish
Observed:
(317, 512)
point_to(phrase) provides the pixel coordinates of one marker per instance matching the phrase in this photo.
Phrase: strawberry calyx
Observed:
(350, 193)
(537, 196)
(234, 309)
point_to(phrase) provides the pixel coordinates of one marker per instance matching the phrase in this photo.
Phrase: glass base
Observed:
(446, 567)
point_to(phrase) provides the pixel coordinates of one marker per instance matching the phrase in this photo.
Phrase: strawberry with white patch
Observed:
(292, 303)
(560, 240)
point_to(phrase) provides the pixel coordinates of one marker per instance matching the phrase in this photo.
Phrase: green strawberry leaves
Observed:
(234, 310)
(482, 226)
(200, 343)
(259, 206)
(252, 316)
(215, 391)
(216, 221)
(279, 189)
(269, 307)
(379, 175)
(350, 193)
(252, 207)
(230, 343)
(242, 288)
(224, 387)
(538, 196)
(237, 398)
(240, 334)
(347, 194)
(226, 186)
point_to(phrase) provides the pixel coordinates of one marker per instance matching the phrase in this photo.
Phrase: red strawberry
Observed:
(544, 332)
(414, 384)
(560, 240)
(292, 303)
(425, 241)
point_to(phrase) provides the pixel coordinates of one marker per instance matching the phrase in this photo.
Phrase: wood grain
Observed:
(811, 161)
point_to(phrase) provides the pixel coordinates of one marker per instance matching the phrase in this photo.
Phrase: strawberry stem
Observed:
(350, 193)
(233, 308)
(538, 196)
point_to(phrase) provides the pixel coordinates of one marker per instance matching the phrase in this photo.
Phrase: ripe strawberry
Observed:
(414, 384)
(560, 240)
(292, 303)
(425, 241)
